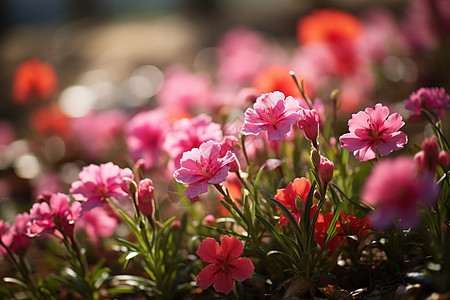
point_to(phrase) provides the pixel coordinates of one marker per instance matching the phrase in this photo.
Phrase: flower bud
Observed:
(326, 169)
(128, 185)
(145, 196)
(315, 158)
(209, 219)
(444, 159)
(309, 123)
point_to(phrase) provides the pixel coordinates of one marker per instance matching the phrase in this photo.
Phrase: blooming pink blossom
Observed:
(429, 158)
(432, 99)
(98, 183)
(309, 123)
(58, 214)
(190, 133)
(145, 135)
(97, 132)
(225, 266)
(271, 113)
(98, 223)
(374, 130)
(145, 199)
(201, 166)
(394, 190)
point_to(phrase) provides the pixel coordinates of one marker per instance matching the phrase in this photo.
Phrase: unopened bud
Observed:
(315, 158)
(145, 197)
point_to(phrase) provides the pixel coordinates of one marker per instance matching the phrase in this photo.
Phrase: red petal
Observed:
(224, 282)
(242, 268)
(209, 250)
(208, 276)
(231, 247)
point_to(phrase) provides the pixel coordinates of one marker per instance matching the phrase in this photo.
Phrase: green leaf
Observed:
(288, 214)
(276, 235)
(16, 281)
(331, 229)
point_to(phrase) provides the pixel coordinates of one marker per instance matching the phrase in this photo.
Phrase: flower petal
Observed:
(231, 248)
(224, 282)
(242, 268)
(209, 250)
(208, 276)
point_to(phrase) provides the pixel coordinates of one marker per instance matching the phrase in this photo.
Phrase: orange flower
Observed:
(33, 79)
(50, 120)
(339, 30)
(328, 25)
(277, 78)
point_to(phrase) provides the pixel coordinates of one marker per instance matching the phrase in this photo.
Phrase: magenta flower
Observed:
(145, 135)
(225, 266)
(271, 113)
(98, 183)
(309, 123)
(58, 214)
(201, 166)
(98, 223)
(5, 236)
(432, 99)
(429, 158)
(190, 133)
(326, 169)
(394, 190)
(374, 130)
(20, 241)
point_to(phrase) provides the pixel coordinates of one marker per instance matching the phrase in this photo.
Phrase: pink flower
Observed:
(271, 113)
(225, 266)
(145, 199)
(429, 158)
(183, 90)
(5, 236)
(190, 133)
(145, 135)
(201, 166)
(374, 130)
(98, 183)
(431, 99)
(20, 241)
(59, 215)
(309, 123)
(326, 168)
(394, 190)
(97, 223)
(97, 132)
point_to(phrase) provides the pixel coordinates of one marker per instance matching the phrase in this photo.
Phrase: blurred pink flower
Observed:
(47, 183)
(5, 236)
(225, 264)
(97, 132)
(309, 123)
(186, 134)
(394, 190)
(201, 166)
(7, 135)
(145, 135)
(20, 241)
(98, 183)
(271, 113)
(43, 215)
(429, 158)
(435, 100)
(241, 55)
(374, 130)
(97, 223)
(183, 90)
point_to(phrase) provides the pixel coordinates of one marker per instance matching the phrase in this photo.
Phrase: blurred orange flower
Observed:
(50, 120)
(328, 25)
(277, 78)
(34, 79)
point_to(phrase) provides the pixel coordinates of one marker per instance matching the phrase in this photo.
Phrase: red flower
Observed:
(300, 187)
(321, 228)
(225, 266)
(33, 79)
(50, 120)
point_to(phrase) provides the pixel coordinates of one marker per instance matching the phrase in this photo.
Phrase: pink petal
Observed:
(366, 153)
(208, 276)
(393, 123)
(187, 176)
(379, 114)
(209, 250)
(351, 142)
(196, 189)
(358, 121)
(242, 268)
(220, 175)
(395, 142)
(231, 248)
(224, 282)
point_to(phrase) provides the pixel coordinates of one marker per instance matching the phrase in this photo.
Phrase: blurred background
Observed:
(114, 55)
